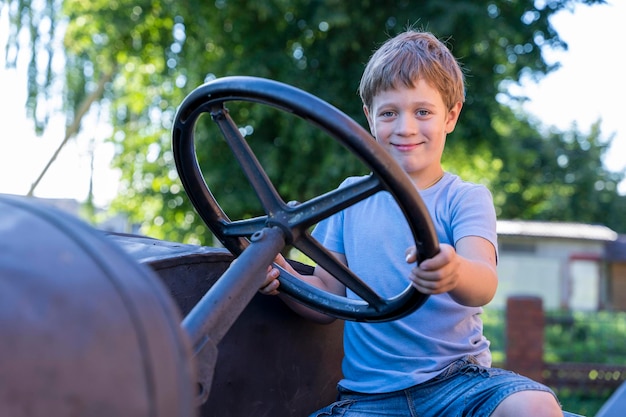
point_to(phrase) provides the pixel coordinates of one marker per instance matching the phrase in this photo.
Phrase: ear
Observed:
(453, 116)
(370, 122)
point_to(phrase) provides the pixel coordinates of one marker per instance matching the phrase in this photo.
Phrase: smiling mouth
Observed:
(405, 146)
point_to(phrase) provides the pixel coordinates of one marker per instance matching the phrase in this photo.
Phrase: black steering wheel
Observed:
(295, 220)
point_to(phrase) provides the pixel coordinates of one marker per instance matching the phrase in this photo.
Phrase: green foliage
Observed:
(494, 329)
(583, 337)
(39, 20)
(557, 176)
(586, 337)
(580, 403)
(594, 337)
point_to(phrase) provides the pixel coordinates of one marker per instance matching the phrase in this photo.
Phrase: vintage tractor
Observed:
(97, 324)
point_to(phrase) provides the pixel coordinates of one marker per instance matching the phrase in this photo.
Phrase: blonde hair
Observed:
(410, 56)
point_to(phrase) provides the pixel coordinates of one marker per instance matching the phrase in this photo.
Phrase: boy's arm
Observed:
(478, 279)
(320, 279)
(467, 273)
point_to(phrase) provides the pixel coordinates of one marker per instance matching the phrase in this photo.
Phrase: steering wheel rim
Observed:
(294, 220)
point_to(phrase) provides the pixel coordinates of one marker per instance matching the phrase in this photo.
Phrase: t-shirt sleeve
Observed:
(474, 214)
(329, 233)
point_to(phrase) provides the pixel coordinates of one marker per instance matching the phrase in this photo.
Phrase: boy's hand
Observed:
(436, 275)
(271, 283)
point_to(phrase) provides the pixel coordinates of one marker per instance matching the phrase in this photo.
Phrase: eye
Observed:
(387, 114)
(422, 113)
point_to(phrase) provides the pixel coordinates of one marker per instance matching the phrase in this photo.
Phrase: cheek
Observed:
(435, 130)
(381, 132)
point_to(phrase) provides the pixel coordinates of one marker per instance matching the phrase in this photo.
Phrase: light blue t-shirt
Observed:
(373, 235)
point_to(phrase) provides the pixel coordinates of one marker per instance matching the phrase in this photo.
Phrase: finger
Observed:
(424, 289)
(280, 260)
(425, 279)
(271, 288)
(411, 255)
(273, 273)
(430, 287)
(432, 264)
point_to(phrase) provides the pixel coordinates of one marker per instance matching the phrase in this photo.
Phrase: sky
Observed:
(589, 86)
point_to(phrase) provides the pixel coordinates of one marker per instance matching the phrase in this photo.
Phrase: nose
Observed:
(407, 125)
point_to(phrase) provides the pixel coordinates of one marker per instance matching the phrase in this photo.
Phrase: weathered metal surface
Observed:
(86, 331)
(271, 362)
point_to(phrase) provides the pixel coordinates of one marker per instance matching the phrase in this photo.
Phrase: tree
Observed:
(158, 51)
(557, 176)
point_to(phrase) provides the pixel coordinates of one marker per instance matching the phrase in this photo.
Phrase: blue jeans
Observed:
(462, 389)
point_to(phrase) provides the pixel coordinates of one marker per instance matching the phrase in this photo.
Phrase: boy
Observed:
(436, 361)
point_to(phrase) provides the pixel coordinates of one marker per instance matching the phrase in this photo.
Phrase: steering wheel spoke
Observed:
(294, 220)
(263, 187)
(244, 228)
(310, 247)
(312, 211)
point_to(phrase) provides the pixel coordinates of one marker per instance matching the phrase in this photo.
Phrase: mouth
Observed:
(406, 147)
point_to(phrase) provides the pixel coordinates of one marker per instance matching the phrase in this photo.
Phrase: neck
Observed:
(433, 181)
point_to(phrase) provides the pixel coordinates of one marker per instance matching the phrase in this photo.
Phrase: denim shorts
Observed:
(462, 389)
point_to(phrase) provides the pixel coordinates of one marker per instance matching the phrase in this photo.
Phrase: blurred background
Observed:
(89, 91)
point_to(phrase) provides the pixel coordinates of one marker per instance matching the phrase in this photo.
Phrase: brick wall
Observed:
(524, 336)
(617, 291)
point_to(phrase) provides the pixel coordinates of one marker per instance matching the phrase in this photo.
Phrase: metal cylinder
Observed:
(85, 329)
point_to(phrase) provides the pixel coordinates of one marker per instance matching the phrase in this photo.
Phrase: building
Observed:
(569, 265)
(616, 258)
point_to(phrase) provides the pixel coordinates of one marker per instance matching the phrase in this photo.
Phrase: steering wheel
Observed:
(295, 220)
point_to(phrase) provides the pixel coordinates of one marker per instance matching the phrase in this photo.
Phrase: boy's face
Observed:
(412, 124)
